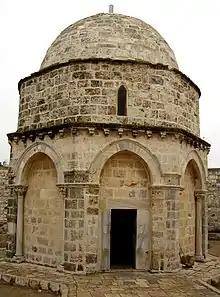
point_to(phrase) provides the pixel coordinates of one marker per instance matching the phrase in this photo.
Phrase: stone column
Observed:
(199, 197)
(20, 191)
(205, 226)
(63, 194)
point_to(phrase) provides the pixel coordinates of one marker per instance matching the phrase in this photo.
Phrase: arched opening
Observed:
(122, 101)
(43, 212)
(124, 199)
(187, 206)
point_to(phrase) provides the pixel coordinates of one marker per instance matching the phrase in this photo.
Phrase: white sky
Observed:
(191, 27)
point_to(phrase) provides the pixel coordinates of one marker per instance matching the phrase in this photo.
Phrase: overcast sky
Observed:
(191, 27)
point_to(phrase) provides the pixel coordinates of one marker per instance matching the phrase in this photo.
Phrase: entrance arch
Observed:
(124, 196)
(43, 212)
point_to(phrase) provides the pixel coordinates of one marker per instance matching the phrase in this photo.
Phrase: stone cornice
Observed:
(112, 61)
(72, 129)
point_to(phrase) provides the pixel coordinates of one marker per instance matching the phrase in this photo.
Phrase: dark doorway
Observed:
(123, 238)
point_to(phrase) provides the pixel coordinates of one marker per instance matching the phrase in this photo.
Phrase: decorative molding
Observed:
(41, 136)
(20, 191)
(51, 134)
(163, 134)
(134, 133)
(106, 132)
(149, 133)
(23, 138)
(91, 131)
(61, 133)
(120, 132)
(177, 134)
(73, 131)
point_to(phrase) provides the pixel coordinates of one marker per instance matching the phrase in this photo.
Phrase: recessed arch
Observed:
(195, 161)
(128, 145)
(39, 147)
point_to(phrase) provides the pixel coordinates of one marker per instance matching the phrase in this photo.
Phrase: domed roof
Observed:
(113, 36)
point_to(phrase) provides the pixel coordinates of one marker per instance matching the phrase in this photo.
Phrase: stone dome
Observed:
(112, 36)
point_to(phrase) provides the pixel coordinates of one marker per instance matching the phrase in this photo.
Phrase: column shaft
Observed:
(198, 253)
(20, 191)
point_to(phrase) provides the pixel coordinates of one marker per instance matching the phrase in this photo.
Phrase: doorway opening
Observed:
(123, 238)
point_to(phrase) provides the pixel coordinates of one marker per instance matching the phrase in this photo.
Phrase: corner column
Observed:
(199, 197)
(20, 192)
(62, 188)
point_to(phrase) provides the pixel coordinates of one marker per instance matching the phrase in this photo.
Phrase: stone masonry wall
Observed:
(3, 204)
(87, 92)
(124, 177)
(43, 214)
(214, 200)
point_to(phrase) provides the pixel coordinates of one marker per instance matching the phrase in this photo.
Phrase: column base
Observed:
(199, 258)
(18, 259)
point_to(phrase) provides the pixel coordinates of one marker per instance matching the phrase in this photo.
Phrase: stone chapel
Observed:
(107, 167)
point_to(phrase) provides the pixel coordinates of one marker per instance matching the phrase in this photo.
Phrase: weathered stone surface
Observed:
(4, 193)
(152, 94)
(214, 200)
(127, 38)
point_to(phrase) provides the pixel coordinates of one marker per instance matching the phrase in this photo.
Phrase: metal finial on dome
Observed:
(111, 8)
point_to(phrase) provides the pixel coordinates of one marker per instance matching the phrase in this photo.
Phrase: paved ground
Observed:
(123, 284)
(16, 291)
(185, 283)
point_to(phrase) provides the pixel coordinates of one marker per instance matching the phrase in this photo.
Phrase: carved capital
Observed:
(20, 191)
(63, 190)
(199, 195)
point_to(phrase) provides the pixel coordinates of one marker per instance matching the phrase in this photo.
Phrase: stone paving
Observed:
(15, 291)
(184, 283)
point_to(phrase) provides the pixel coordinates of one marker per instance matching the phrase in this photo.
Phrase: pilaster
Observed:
(165, 228)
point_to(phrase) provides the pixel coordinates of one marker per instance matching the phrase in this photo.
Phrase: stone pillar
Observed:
(20, 191)
(205, 226)
(199, 197)
(165, 228)
(63, 194)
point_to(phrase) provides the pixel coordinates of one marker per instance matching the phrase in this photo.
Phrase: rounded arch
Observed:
(39, 147)
(150, 161)
(198, 166)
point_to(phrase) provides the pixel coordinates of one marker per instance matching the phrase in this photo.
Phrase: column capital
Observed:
(62, 189)
(20, 191)
(200, 194)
